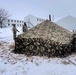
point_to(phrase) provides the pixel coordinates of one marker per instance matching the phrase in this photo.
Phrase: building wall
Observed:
(68, 22)
(9, 22)
(32, 20)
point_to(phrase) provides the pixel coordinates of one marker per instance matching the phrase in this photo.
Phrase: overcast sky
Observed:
(18, 9)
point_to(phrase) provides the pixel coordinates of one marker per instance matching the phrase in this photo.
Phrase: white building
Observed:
(9, 22)
(32, 20)
(68, 22)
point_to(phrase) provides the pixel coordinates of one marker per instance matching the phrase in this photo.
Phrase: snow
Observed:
(18, 64)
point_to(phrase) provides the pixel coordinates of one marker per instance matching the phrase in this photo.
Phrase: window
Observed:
(17, 24)
(17, 21)
(14, 20)
(40, 19)
(22, 21)
(28, 19)
(20, 24)
(8, 20)
(8, 24)
(11, 20)
(37, 19)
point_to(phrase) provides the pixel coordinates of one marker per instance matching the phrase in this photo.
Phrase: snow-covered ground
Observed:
(18, 64)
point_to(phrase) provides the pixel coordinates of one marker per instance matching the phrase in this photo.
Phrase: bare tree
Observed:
(3, 16)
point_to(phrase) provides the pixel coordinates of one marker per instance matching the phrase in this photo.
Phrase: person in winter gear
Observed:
(74, 41)
(14, 31)
(25, 29)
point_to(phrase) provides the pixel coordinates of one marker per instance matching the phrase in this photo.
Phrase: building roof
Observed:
(49, 30)
(33, 16)
(68, 22)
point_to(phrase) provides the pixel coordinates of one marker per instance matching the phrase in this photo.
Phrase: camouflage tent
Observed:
(46, 38)
(49, 30)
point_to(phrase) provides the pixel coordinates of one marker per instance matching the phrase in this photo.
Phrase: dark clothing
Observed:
(14, 32)
(25, 29)
(74, 44)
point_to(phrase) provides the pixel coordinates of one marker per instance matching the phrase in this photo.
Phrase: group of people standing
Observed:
(14, 29)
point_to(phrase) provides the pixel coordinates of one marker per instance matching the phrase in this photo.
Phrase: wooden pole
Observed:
(50, 17)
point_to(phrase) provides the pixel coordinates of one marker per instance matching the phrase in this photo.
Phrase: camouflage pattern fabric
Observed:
(40, 47)
(45, 39)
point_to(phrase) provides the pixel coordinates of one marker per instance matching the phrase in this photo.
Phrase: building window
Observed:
(14, 20)
(11, 20)
(17, 24)
(20, 21)
(8, 24)
(8, 20)
(28, 19)
(20, 24)
(42, 20)
(17, 21)
(37, 19)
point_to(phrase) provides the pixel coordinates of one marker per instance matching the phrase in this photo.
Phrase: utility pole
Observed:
(52, 17)
(49, 17)
(0, 22)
